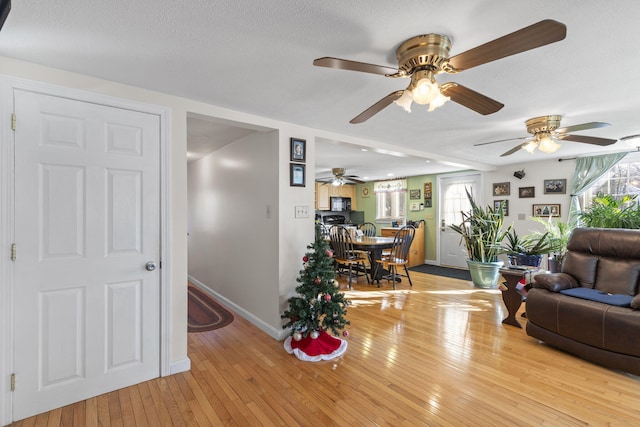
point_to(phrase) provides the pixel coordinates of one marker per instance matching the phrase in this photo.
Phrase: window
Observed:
(620, 180)
(391, 200)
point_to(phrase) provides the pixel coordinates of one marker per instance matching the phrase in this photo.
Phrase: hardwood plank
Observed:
(433, 354)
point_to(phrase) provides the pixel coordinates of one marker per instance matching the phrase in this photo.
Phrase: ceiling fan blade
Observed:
(583, 126)
(377, 107)
(513, 150)
(500, 140)
(471, 99)
(588, 139)
(531, 37)
(354, 178)
(345, 64)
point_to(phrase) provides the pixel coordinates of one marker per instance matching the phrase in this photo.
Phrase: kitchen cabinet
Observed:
(416, 251)
(325, 191)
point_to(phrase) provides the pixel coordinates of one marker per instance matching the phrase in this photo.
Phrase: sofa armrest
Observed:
(635, 302)
(555, 282)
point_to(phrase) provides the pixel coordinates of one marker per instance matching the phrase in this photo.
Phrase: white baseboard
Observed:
(183, 365)
(278, 334)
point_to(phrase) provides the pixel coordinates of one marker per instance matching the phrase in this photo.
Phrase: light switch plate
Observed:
(302, 211)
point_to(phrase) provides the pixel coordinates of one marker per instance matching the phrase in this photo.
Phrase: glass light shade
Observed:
(336, 182)
(425, 91)
(531, 146)
(548, 145)
(438, 101)
(405, 100)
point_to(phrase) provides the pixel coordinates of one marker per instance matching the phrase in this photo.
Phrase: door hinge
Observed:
(13, 382)
(13, 121)
(14, 249)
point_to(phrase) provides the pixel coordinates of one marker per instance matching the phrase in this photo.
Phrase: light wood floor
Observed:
(432, 355)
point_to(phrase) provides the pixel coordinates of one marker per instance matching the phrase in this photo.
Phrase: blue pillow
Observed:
(619, 300)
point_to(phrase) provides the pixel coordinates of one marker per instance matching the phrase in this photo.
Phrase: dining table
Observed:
(374, 246)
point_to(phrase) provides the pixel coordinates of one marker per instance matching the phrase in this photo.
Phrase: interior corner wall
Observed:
(233, 225)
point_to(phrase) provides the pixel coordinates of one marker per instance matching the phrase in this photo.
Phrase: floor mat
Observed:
(436, 270)
(204, 313)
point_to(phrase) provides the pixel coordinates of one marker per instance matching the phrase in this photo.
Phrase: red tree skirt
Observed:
(325, 347)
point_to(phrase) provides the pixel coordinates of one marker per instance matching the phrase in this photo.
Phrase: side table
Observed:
(511, 297)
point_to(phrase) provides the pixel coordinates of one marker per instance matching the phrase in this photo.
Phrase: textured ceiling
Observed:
(256, 56)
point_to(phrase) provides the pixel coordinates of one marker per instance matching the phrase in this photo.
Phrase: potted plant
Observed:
(482, 233)
(526, 250)
(607, 211)
(558, 233)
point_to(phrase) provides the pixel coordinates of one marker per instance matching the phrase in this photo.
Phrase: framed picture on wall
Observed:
(298, 150)
(296, 175)
(526, 192)
(414, 194)
(555, 186)
(501, 189)
(546, 210)
(505, 206)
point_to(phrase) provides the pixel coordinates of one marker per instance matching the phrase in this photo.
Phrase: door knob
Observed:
(150, 266)
(443, 225)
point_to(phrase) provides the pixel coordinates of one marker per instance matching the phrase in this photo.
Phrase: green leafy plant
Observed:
(608, 212)
(530, 244)
(481, 231)
(558, 233)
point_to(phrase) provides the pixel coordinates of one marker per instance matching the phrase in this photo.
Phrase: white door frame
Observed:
(479, 199)
(7, 86)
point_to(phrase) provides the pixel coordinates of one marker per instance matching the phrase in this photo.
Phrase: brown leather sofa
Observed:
(592, 308)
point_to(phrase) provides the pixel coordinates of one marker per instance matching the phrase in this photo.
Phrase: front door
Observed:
(453, 201)
(87, 222)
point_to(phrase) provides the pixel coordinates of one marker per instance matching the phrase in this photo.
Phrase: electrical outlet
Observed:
(302, 211)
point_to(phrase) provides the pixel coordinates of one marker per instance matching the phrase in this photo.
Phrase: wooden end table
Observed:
(511, 297)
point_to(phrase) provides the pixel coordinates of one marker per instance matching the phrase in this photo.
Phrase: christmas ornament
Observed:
(317, 280)
(329, 253)
(336, 283)
(327, 297)
(345, 334)
(314, 334)
(305, 258)
(297, 336)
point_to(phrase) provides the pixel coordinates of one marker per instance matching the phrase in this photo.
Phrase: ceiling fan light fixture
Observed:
(425, 91)
(405, 100)
(547, 144)
(530, 146)
(438, 101)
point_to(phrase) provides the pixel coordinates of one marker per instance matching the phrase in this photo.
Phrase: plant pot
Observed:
(485, 274)
(554, 265)
(522, 259)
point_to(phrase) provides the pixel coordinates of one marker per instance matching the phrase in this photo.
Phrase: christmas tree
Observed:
(319, 305)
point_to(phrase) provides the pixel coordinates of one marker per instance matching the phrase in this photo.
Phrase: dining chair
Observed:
(368, 229)
(399, 255)
(344, 254)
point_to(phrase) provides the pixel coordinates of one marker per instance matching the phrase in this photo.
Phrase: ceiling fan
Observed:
(339, 178)
(546, 133)
(422, 57)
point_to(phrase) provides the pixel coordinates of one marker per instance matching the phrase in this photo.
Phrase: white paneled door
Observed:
(453, 201)
(87, 230)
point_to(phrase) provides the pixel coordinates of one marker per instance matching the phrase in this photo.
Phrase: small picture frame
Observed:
(546, 210)
(365, 191)
(526, 192)
(501, 189)
(296, 175)
(555, 186)
(414, 194)
(298, 150)
(505, 206)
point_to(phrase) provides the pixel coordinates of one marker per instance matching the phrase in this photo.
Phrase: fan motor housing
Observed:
(543, 124)
(430, 51)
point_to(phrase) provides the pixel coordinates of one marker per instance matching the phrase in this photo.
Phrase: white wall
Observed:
(535, 174)
(233, 241)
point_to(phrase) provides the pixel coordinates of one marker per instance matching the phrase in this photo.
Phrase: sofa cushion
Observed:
(617, 276)
(620, 300)
(555, 282)
(582, 267)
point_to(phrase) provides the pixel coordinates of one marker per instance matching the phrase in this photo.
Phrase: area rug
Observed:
(436, 270)
(204, 313)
